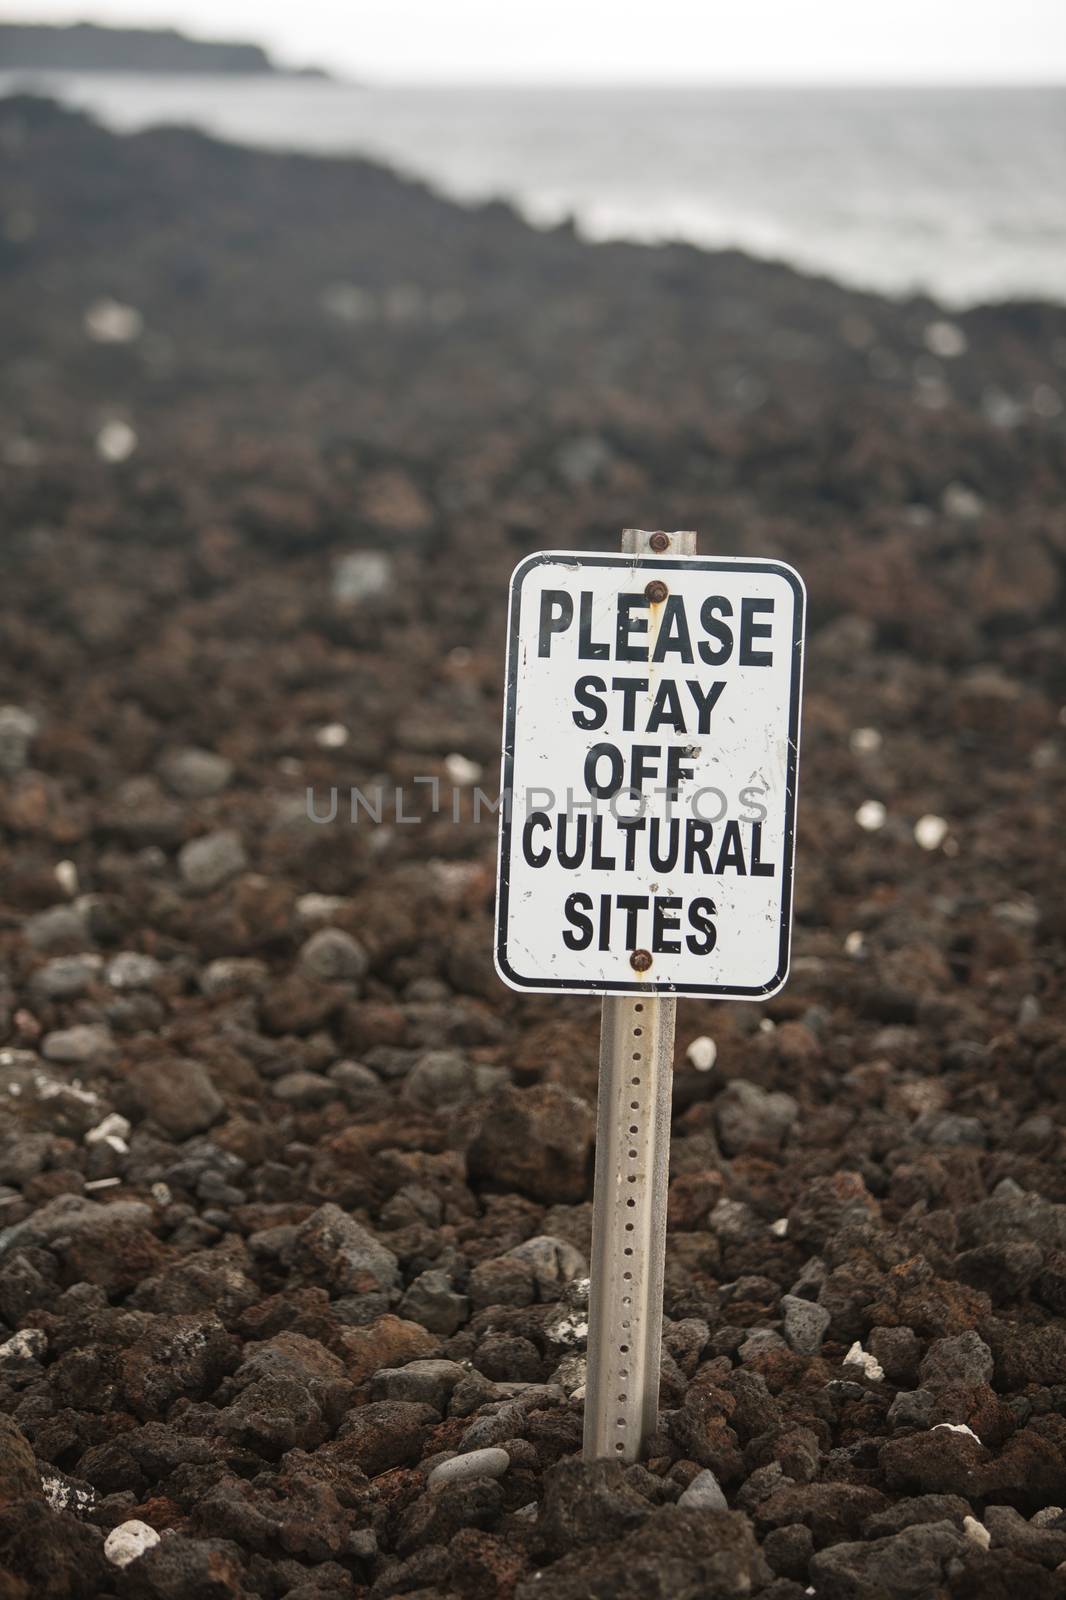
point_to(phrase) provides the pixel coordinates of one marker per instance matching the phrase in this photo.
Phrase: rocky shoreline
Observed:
(294, 1195)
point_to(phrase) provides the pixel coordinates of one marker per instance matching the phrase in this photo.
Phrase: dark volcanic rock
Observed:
(905, 1565)
(178, 1094)
(674, 1555)
(537, 1140)
(587, 1504)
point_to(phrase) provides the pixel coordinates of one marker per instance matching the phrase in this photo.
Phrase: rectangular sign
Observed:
(651, 747)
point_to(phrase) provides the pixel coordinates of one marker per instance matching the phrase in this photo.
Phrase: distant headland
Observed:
(85, 47)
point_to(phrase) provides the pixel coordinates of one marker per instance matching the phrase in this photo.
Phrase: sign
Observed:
(648, 801)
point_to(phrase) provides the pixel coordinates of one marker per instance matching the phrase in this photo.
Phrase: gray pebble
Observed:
(747, 1115)
(17, 730)
(433, 1302)
(360, 575)
(554, 1263)
(305, 1089)
(912, 1408)
(733, 1220)
(429, 1383)
(206, 863)
(490, 1463)
(65, 977)
(58, 928)
(440, 1078)
(132, 970)
(234, 975)
(195, 774)
(354, 1081)
(74, 1046)
(363, 1543)
(704, 1493)
(333, 956)
(760, 1342)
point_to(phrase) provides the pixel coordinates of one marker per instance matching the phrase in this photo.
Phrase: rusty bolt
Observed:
(656, 592)
(640, 961)
(659, 542)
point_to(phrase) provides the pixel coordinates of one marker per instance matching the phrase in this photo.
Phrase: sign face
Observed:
(648, 796)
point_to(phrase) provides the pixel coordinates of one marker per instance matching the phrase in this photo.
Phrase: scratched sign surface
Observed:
(651, 747)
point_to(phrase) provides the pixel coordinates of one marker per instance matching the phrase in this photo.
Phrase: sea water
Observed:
(957, 192)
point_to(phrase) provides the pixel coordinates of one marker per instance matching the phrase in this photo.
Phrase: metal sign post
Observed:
(629, 1193)
(647, 824)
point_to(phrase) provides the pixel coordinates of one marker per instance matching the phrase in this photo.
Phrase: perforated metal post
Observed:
(629, 1197)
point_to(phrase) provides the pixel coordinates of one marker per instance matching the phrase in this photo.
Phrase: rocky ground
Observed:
(294, 1194)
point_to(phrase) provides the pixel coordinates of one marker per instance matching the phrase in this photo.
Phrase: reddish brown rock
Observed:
(539, 1140)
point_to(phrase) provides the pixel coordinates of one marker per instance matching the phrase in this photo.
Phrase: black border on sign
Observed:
(635, 985)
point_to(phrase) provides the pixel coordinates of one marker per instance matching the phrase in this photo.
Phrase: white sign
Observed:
(648, 800)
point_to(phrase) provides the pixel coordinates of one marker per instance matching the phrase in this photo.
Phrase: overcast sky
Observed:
(821, 41)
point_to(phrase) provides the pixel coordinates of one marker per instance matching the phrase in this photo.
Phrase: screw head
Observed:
(656, 592)
(659, 542)
(640, 960)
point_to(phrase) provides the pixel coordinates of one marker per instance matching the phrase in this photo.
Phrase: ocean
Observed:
(960, 193)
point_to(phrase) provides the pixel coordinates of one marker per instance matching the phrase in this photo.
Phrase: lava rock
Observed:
(806, 1324)
(675, 1554)
(19, 1478)
(537, 1140)
(964, 1358)
(916, 1561)
(428, 1383)
(747, 1117)
(898, 1351)
(432, 1301)
(333, 1249)
(178, 1094)
(437, 1518)
(178, 1356)
(554, 1263)
(502, 1281)
(587, 1503)
(387, 1341)
(180, 1567)
(385, 1434)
